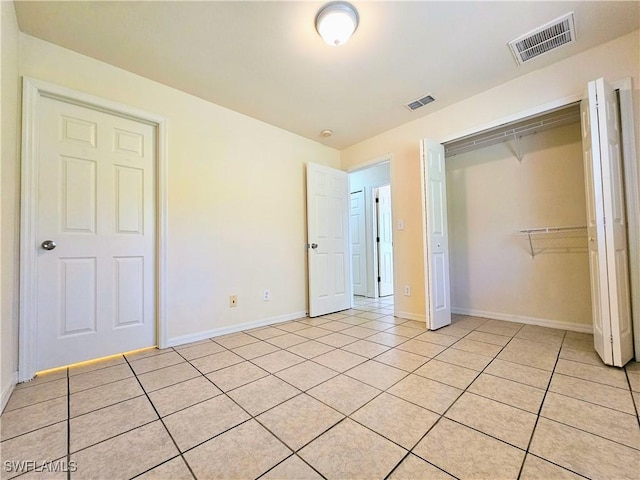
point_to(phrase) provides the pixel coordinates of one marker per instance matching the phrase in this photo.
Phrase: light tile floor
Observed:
(356, 394)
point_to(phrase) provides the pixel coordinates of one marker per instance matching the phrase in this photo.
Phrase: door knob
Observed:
(314, 245)
(48, 244)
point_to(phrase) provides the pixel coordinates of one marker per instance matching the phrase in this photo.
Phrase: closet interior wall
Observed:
(496, 191)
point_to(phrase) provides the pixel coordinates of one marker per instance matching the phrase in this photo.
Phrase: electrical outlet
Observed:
(266, 296)
(407, 290)
(233, 301)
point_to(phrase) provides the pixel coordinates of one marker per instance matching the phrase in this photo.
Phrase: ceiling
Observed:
(265, 59)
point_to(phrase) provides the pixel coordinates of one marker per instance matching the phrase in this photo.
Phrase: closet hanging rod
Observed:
(512, 131)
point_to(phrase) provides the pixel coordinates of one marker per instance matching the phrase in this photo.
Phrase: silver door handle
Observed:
(314, 245)
(48, 244)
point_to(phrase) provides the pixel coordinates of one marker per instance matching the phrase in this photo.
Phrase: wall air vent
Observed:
(421, 102)
(554, 34)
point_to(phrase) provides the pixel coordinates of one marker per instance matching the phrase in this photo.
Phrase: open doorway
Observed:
(371, 232)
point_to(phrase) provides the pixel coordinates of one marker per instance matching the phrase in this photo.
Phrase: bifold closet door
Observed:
(436, 237)
(606, 224)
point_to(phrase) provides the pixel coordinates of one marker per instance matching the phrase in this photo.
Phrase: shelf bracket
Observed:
(531, 245)
(518, 151)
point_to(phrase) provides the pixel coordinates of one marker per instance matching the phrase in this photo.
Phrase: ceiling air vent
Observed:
(421, 102)
(554, 34)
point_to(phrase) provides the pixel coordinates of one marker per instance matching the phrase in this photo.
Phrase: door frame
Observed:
(388, 158)
(32, 91)
(631, 177)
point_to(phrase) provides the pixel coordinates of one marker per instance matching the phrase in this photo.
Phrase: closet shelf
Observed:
(555, 239)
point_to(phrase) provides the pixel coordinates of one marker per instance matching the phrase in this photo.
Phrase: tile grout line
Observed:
(294, 454)
(251, 417)
(544, 397)
(161, 421)
(466, 389)
(442, 415)
(349, 416)
(590, 433)
(303, 392)
(338, 373)
(592, 403)
(386, 391)
(383, 391)
(556, 464)
(633, 400)
(35, 403)
(457, 398)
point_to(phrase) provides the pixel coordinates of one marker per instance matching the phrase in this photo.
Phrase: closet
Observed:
(517, 222)
(536, 221)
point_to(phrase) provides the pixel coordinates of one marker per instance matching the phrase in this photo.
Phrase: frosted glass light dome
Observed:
(336, 22)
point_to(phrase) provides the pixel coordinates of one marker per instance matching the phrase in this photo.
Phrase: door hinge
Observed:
(379, 279)
(378, 239)
(611, 338)
(377, 200)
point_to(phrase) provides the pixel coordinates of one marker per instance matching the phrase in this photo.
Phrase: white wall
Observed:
(236, 196)
(491, 195)
(614, 60)
(9, 215)
(368, 179)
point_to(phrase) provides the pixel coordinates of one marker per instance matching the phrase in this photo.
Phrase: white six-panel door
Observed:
(330, 287)
(358, 243)
(606, 223)
(436, 238)
(385, 243)
(96, 201)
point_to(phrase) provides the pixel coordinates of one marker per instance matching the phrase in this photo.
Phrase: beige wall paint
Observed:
(614, 60)
(490, 195)
(9, 214)
(236, 195)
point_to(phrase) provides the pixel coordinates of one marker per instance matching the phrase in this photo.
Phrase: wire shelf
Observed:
(566, 239)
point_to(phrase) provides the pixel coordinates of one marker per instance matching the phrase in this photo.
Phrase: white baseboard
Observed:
(418, 317)
(7, 390)
(217, 332)
(541, 322)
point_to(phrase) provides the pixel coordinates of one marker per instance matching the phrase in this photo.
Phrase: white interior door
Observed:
(436, 238)
(384, 241)
(606, 223)
(96, 288)
(328, 236)
(358, 243)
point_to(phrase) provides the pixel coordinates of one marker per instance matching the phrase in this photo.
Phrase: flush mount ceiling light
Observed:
(336, 22)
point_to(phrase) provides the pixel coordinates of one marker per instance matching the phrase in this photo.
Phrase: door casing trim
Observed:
(32, 91)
